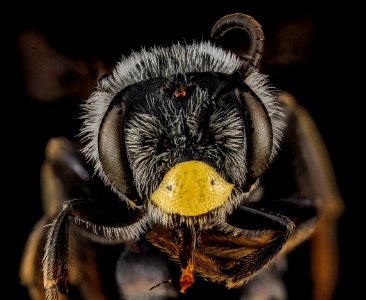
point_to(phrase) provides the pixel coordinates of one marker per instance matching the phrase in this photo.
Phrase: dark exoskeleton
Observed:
(205, 179)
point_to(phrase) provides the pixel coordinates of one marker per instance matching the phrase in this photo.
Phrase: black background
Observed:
(324, 84)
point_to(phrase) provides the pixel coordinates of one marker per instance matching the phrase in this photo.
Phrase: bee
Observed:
(190, 169)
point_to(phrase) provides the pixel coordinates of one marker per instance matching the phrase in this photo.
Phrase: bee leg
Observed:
(55, 259)
(103, 220)
(263, 235)
(301, 211)
(316, 178)
(63, 176)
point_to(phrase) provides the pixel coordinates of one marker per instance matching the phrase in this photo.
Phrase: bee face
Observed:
(167, 129)
(182, 113)
(184, 121)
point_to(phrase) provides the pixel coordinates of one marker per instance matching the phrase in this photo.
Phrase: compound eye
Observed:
(259, 132)
(112, 150)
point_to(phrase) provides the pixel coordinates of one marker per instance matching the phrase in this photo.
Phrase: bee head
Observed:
(187, 130)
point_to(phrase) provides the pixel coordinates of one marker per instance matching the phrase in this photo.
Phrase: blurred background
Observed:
(56, 52)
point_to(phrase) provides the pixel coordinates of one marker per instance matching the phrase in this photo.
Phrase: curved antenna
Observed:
(254, 30)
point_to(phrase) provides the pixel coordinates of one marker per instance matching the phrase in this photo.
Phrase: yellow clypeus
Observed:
(191, 188)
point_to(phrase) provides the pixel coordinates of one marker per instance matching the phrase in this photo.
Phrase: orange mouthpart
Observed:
(187, 277)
